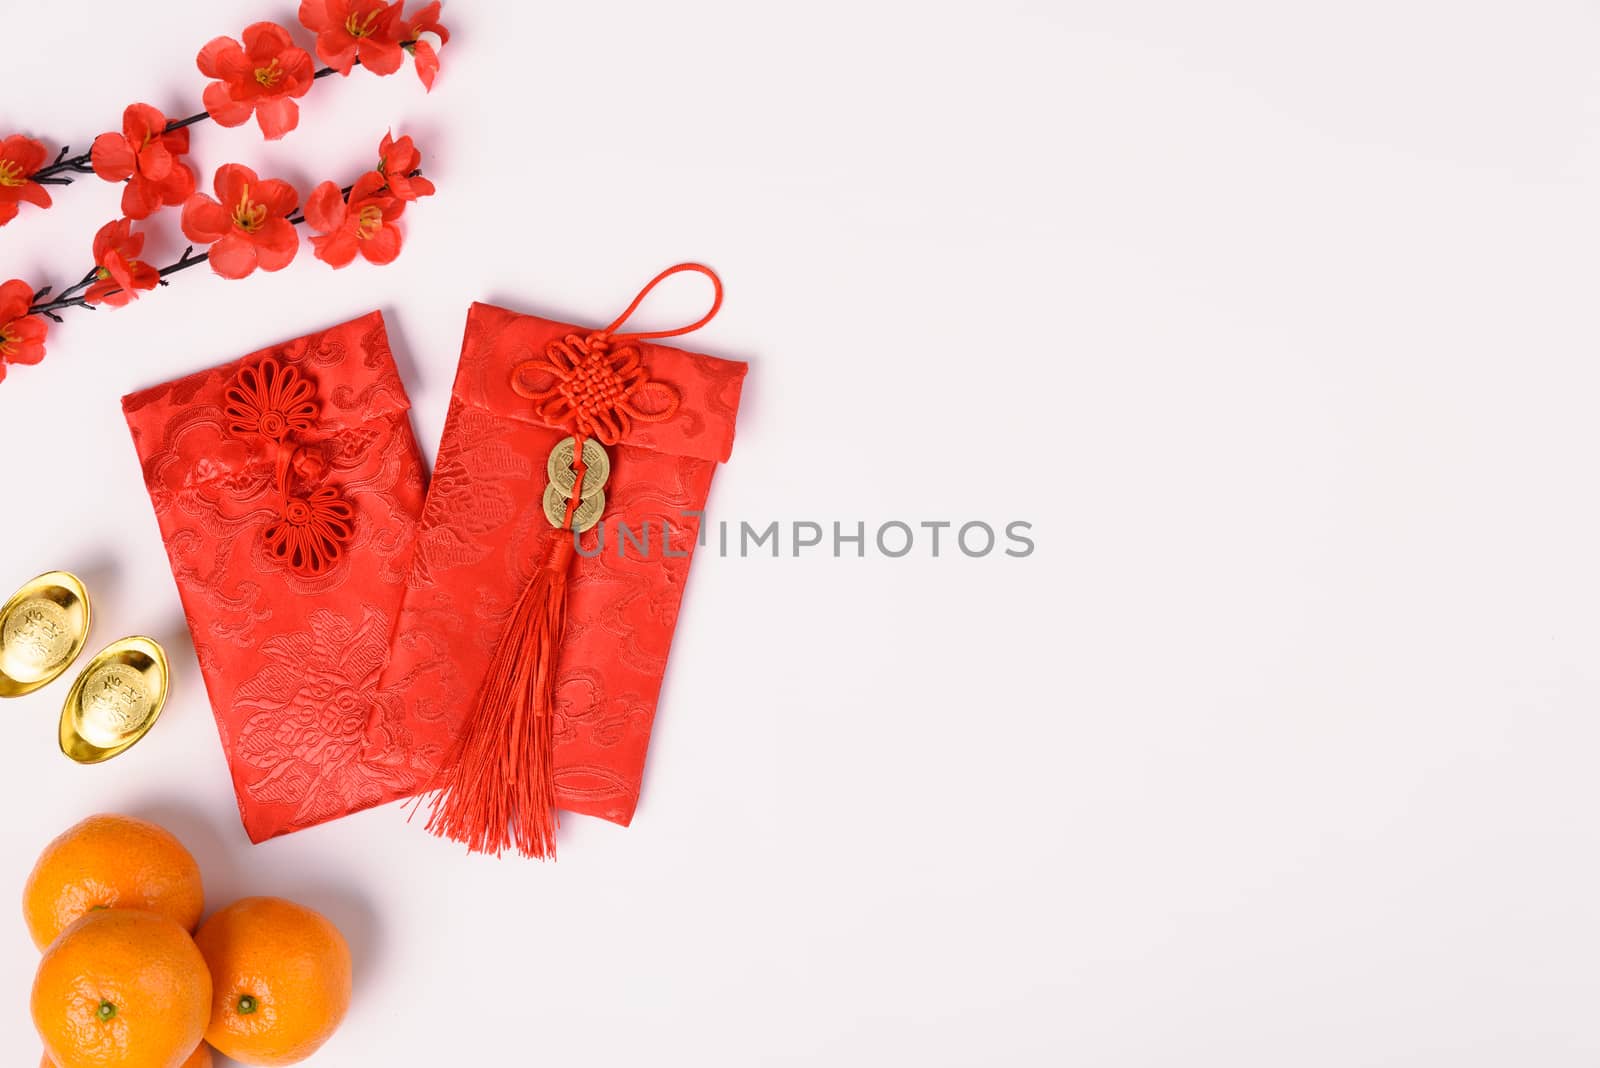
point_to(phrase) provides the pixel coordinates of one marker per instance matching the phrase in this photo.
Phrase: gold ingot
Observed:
(585, 516)
(42, 630)
(596, 468)
(115, 700)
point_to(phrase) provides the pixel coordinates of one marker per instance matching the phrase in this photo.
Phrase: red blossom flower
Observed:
(247, 226)
(19, 157)
(21, 334)
(263, 76)
(117, 265)
(365, 224)
(396, 161)
(425, 52)
(348, 30)
(145, 155)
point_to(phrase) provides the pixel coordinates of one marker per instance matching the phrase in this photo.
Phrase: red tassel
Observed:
(500, 792)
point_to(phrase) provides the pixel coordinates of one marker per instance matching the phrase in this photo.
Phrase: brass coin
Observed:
(597, 467)
(586, 515)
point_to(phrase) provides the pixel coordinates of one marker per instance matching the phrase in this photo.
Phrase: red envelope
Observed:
(287, 485)
(483, 526)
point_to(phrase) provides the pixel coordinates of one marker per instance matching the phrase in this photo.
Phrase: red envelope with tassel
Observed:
(550, 560)
(287, 485)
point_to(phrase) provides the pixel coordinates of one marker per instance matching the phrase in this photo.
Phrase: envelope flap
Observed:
(706, 388)
(350, 368)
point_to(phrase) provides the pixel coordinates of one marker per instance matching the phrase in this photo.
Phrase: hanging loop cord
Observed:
(655, 335)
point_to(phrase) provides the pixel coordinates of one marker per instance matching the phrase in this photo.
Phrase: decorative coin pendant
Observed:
(585, 516)
(597, 467)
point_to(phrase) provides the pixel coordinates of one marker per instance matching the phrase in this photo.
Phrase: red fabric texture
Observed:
(338, 690)
(484, 532)
(291, 659)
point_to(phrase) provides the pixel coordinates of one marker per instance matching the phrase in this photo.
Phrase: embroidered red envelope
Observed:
(481, 537)
(287, 485)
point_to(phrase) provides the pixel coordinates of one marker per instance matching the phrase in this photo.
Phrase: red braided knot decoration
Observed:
(592, 389)
(274, 402)
(597, 386)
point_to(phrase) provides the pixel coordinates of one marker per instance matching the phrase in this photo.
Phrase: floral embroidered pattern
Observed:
(325, 738)
(469, 496)
(584, 708)
(207, 473)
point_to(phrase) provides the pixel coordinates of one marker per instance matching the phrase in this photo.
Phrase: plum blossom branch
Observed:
(74, 295)
(61, 171)
(263, 74)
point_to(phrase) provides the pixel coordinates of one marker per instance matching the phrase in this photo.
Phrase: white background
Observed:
(1276, 321)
